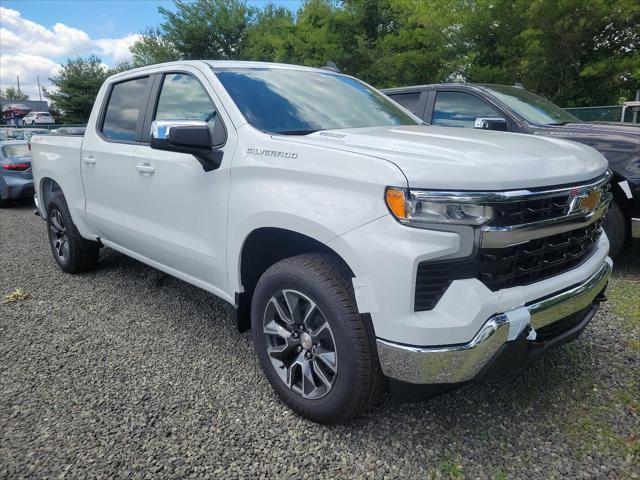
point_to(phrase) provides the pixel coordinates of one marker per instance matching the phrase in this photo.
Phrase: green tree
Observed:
(570, 51)
(414, 42)
(207, 29)
(271, 37)
(76, 87)
(153, 47)
(12, 93)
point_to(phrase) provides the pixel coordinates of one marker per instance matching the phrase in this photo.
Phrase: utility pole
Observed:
(18, 77)
(39, 90)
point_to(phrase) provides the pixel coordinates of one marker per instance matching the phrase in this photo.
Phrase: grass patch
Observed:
(451, 470)
(625, 296)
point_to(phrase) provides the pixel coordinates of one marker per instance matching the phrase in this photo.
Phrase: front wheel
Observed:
(72, 252)
(314, 347)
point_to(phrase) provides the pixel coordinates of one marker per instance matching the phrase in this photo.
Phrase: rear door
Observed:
(183, 209)
(108, 169)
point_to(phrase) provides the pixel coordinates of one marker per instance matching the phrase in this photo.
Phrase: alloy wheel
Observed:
(58, 237)
(300, 344)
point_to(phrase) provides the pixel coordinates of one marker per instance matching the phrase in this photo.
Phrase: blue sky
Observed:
(37, 36)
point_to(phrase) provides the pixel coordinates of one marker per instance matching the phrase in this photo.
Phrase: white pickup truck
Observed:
(356, 242)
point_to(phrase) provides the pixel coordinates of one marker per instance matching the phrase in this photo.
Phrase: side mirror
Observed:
(190, 136)
(498, 124)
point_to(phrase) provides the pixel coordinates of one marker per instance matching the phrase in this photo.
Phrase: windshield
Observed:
(20, 150)
(298, 102)
(530, 106)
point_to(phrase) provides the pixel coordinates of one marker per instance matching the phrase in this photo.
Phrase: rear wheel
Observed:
(313, 345)
(615, 225)
(72, 252)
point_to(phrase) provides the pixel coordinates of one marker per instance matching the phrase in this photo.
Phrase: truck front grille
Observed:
(520, 264)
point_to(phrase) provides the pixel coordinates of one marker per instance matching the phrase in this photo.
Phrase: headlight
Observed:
(419, 208)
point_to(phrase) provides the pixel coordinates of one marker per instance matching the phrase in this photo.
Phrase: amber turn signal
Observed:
(397, 202)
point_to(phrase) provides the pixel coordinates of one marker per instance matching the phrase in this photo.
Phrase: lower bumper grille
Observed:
(561, 326)
(538, 259)
(518, 265)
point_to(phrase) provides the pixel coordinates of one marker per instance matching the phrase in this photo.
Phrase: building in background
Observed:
(14, 110)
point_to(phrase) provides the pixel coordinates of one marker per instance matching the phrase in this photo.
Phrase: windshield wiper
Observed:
(557, 124)
(297, 132)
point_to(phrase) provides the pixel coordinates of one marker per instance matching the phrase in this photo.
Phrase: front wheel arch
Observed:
(266, 246)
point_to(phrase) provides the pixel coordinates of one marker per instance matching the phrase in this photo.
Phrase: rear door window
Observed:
(410, 101)
(125, 109)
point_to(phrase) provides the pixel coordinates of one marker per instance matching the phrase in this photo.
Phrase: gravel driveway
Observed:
(128, 372)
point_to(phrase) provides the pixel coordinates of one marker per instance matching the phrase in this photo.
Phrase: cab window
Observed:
(457, 109)
(183, 97)
(126, 103)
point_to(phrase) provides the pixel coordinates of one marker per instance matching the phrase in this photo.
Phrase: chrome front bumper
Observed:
(460, 363)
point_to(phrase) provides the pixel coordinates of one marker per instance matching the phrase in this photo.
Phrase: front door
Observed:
(182, 210)
(107, 164)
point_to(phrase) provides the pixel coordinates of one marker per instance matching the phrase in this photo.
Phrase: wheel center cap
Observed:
(305, 341)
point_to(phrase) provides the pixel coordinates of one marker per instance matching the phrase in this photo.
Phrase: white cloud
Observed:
(29, 68)
(117, 48)
(19, 35)
(29, 49)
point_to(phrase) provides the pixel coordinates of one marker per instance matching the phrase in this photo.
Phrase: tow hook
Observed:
(602, 297)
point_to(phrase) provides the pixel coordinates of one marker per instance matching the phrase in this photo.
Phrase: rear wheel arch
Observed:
(48, 187)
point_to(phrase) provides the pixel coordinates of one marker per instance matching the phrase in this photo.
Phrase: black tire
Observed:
(72, 252)
(615, 225)
(358, 382)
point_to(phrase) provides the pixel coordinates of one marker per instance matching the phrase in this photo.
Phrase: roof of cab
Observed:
(216, 64)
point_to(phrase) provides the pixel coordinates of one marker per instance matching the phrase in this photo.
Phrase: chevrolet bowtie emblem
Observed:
(584, 201)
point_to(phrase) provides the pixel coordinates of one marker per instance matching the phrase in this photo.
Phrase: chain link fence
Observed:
(609, 113)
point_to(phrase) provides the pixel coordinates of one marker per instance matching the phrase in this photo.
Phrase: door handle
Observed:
(145, 168)
(89, 160)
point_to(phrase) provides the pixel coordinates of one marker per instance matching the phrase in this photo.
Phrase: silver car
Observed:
(16, 178)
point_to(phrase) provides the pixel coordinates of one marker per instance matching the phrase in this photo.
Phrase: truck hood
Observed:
(465, 159)
(619, 143)
(631, 131)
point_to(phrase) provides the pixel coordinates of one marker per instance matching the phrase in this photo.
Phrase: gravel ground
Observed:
(128, 372)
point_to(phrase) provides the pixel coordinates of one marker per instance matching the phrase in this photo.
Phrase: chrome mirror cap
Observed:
(160, 129)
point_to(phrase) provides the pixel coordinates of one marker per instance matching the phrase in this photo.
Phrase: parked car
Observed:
(30, 132)
(513, 109)
(16, 179)
(35, 118)
(69, 131)
(355, 241)
(14, 133)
